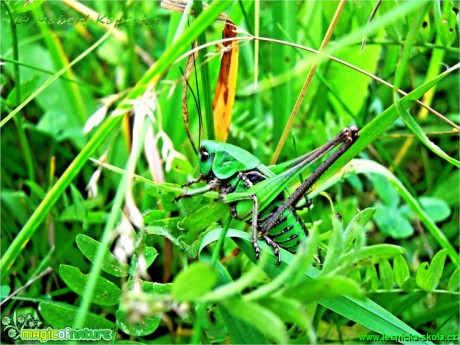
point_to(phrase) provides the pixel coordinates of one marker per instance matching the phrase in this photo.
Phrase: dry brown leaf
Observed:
(226, 84)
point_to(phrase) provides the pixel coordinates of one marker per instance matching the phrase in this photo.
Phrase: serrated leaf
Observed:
(106, 293)
(193, 282)
(143, 327)
(386, 274)
(355, 226)
(253, 313)
(454, 281)
(401, 270)
(90, 247)
(60, 315)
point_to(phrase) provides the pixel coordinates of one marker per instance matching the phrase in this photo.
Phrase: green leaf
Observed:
(437, 267)
(446, 22)
(423, 277)
(385, 190)
(454, 281)
(372, 280)
(166, 228)
(401, 270)
(142, 327)
(89, 248)
(409, 285)
(26, 89)
(369, 256)
(106, 293)
(356, 226)
(253, 313)
(386, 274)
(391, 222)
(436, 209)
(241, 332)
(428, 276)
(204, 217)
(289, 310)
(324, 287)
(193, 282)
(60, 315)
(335, 247)
(150, 254)
(444, 190)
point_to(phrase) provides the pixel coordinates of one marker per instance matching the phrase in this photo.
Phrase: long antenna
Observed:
(185, 109)
(198, 103)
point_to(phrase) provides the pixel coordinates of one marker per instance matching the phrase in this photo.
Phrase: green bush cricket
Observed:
(257, 194)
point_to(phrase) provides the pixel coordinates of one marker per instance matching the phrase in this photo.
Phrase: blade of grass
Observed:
(282, 58)
(198, 8)
(415, 128)
(17, 79)
(107, 128)
(303, 91)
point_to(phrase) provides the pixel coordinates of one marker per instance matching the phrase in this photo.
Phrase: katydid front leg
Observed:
(212, 185)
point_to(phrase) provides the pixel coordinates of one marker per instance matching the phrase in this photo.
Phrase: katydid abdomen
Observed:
(289, 230)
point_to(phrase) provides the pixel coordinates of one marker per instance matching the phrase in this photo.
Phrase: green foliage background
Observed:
(74, 91)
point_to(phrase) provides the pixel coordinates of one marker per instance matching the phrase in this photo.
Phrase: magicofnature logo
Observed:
(27, 328)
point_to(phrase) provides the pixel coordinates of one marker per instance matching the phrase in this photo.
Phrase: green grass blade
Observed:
(415, 128)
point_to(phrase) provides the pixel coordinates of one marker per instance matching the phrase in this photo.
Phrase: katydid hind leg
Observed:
(347, 137)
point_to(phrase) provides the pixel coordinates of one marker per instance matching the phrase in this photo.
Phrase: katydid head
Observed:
(224, 160)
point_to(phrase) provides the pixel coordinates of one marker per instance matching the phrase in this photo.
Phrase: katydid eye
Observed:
(204, 156)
